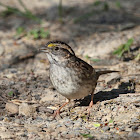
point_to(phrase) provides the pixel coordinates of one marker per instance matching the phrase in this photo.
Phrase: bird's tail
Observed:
(104, 72)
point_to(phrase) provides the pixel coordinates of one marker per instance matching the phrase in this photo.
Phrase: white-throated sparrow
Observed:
(71, 76)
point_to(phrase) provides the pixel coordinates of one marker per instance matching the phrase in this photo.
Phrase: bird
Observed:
(71, 76)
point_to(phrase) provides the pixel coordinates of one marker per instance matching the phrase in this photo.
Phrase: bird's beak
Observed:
(44, 49)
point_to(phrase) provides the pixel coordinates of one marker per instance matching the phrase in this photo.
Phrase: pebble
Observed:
(64, 133)
(77, 124)
(133, 120)
(6, 135)
(106, 128)
(70, 135)
(39, 119)
(1, 50)
(1, 118)
(13, 108)
(134, 135)
(128, 129)
(122, 128)
(27, 110)
(18, 121)
(135, 127)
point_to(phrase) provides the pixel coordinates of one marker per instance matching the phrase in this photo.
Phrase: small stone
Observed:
(61, 129)
(134, 128)
(1, 50)
(46, 98)
(64, 133)
(39, 119)
(32, 128)
(26, 109)
(77, 125)
(76, 133)
(6, 135)
(54, 134)
(52, 125)
(106, 128)
(68, 123)
(128, 129)
(18, 121)
(133, 120)
(13, 108)
(122, 128)
(70, 135)
(133, 135)
(45, 109)
(1, 118)
(106, 118)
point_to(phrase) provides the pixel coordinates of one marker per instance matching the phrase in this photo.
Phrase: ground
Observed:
(27, 97)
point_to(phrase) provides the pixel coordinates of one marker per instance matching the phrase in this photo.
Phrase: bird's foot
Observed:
(56, 114)
(89, 107)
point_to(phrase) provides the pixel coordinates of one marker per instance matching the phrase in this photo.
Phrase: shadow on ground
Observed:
(124, 88)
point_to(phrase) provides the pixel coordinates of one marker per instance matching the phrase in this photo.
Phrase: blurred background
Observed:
(95, 29)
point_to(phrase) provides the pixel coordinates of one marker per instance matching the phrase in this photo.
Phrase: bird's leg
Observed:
(57, 112)
(91, 103)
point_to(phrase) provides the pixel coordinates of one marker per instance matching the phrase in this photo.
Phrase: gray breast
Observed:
(67, 83)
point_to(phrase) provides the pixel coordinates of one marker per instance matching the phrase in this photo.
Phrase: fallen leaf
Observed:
(111, 121)
(96, 125)
(86, 135)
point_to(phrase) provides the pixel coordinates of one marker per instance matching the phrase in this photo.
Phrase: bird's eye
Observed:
(56, 48)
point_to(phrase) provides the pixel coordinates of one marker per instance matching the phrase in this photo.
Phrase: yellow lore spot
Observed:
(51, 45)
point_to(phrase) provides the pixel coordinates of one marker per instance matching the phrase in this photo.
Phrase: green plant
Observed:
(92, 59)
(19, 31)
(12, 10)
(118, 4)
(86, 135)
(97, 3)
(96, 125)
(34, 33)
(95, 60)
(11, 93)
(38, 33)
(105, 6)
(111, 121)
(60, 10)
(123, 48)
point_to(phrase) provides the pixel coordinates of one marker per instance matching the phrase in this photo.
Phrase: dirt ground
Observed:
(27, 97)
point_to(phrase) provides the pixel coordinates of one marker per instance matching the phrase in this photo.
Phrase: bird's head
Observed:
(57, 51)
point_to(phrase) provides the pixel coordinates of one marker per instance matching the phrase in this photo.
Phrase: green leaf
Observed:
(118, 4)
(96, 3)
(86, 135)
(20, 30)
(119, 50)
(106, 6)
(124, 48)
(11, 93)
(128, 44)
(44, 34)
(96, 125)
(95, 60)
(87, 57)
(111, 121)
